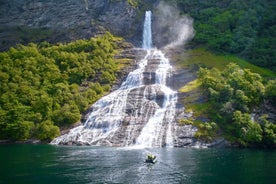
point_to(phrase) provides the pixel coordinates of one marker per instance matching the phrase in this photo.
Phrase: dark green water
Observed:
(59, 164)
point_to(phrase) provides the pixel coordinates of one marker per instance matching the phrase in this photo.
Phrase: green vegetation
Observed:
(193, 91)
(199, 101)
(203, 58)
(207, 131)
(233, 93)
(242, 28)
(44, 87)
(235, 30)
(190, 86)
(133, 3)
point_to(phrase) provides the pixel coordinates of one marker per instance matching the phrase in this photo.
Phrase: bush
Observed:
(68, 114)
(207, 131)
(270, 92)
(20, 131)
(53, 82)
(269, 132)
(246, 131)
(236, 92)
(186, 122)
(46, 131)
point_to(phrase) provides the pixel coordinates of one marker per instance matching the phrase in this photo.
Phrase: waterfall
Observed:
(147, 38)
(141, 112)
(160, 123)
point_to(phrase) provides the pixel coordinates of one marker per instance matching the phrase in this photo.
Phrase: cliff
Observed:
(67, 20)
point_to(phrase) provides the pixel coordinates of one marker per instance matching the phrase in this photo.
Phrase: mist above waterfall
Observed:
(172, 28)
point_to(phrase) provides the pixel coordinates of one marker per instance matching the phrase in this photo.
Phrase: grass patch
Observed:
(190, 86)
(122, 62)
(193, 95)
(200, 109)
(204, 58)
(186, 122)
(133, 3)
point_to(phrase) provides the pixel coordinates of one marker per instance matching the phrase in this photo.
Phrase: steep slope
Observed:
(63, 21)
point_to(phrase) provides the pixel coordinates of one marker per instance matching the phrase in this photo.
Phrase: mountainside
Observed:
(62, 21)
(246, 29)
(46, 86)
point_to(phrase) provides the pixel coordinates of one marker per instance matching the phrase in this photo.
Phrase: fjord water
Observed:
(88, 164)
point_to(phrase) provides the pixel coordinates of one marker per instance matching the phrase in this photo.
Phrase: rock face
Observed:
(143, 111)
(67, 20)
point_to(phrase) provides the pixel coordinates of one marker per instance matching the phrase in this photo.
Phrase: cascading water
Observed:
(147, 38)
(160, 123)
(141, 112)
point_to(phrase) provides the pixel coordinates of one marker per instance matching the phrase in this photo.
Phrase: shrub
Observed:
(46, 131)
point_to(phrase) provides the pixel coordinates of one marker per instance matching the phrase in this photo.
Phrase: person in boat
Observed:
(151, 159)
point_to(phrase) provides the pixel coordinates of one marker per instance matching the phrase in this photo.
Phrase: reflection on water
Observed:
(60, 164)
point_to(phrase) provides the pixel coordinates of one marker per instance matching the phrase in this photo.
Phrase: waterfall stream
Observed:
(147, 38)
(141, 112)
(154, 131)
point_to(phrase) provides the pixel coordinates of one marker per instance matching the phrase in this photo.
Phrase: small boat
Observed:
(151, 159)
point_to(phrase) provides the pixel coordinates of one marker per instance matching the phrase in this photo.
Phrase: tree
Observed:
(236, 92)
(51, 84)
(246, 131)
(243, 28)
(68, 114)
(20, 130)
(46, 131)
(207, 131)
(270, 91)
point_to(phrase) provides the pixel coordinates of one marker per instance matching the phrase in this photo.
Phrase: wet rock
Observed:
(133, 56)
(184, 135)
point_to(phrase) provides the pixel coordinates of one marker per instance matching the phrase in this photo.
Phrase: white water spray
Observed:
(159, 129)
(147, 36)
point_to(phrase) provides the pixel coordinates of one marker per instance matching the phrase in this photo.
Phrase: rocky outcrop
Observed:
(119, 118)
(66, 20)
(131, 56)
(142, 111)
